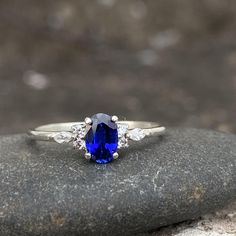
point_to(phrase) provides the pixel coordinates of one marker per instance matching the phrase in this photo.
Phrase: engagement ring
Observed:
(100, 136)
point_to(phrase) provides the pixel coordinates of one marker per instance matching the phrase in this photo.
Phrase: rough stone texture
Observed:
(49, 189)
(220, 223)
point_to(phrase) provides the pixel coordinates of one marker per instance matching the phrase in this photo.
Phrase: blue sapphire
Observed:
(102, 138)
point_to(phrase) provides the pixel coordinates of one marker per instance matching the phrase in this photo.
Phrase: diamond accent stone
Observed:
(63, 137)
(136, 134)
(79, 132)
(122, 131)
(123, 142)
(79, 143)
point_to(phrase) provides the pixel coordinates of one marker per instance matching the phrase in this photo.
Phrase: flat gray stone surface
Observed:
(49, 189)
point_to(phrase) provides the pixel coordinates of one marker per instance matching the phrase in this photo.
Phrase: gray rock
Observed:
(220, 223)
(49, 189)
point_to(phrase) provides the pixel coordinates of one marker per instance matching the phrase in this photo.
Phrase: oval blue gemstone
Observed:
(102, 138)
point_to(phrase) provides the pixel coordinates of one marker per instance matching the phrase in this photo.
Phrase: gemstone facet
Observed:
(101, 138)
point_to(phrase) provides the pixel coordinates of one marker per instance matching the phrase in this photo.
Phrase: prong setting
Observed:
(88, 121)
(114, 118)
(87, 156)
(115, 155)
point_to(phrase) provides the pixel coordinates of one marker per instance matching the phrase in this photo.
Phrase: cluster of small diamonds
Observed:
(79, 132)
(122, 135)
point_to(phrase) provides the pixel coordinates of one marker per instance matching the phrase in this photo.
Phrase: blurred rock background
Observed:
(172, 61)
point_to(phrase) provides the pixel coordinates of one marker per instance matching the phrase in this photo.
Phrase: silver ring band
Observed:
(100, 136)
(48, 132)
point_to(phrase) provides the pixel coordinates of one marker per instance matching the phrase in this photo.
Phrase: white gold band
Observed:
(100, 136)
(49, 131)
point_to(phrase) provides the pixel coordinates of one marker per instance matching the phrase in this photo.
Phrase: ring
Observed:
(100, 136)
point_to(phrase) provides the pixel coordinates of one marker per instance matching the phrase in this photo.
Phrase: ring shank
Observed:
(67, 126)
(47, 132)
